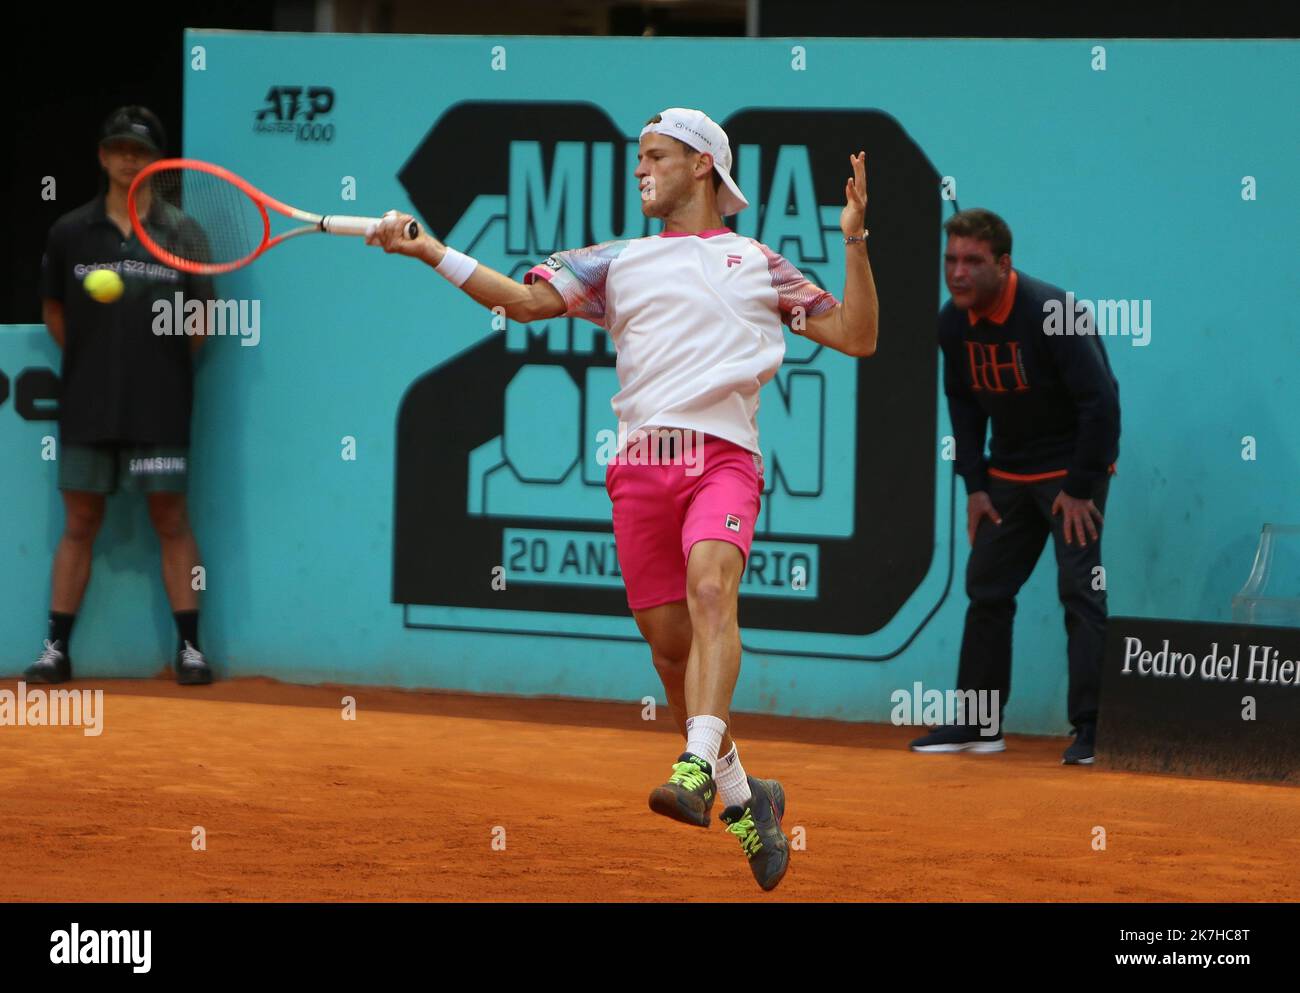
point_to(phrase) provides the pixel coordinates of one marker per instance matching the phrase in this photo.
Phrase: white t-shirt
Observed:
(696, 320)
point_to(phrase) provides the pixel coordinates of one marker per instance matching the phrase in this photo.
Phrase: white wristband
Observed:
(456, 267)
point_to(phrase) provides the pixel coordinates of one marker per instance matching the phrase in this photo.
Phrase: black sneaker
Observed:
(758, 826)
(959, 738)
(192, 668)
(688, 794)
(1082, 751)
(53, 665)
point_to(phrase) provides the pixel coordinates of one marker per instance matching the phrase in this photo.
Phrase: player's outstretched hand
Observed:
(853, 219)
(390, 235)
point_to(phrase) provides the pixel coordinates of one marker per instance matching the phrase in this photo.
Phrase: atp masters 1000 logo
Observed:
(297, 110)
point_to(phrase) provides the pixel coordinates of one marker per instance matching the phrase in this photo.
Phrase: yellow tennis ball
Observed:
(104, 285)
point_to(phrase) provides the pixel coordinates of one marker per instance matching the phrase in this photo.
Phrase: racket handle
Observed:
(346, 224)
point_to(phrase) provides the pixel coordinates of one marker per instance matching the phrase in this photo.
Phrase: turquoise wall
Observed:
(1124, 184)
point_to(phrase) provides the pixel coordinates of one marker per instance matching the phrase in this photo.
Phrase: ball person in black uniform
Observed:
(1053, 404)
(124, 410)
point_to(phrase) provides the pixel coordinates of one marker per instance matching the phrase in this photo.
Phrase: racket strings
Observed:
(219, 222)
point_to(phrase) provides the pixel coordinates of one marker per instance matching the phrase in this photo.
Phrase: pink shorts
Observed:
(661, 511)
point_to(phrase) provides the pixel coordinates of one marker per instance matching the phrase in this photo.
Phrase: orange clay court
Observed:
(401, 803)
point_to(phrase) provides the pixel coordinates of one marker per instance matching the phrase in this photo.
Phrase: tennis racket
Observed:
(215, 221)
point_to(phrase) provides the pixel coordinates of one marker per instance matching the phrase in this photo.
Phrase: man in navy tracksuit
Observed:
(1054, 406)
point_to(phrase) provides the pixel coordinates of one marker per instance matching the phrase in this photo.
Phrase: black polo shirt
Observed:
(121, 382)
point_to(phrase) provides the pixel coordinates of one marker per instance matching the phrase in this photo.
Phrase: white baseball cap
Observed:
(696, 128)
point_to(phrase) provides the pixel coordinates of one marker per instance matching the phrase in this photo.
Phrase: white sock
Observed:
(704, 737)
(733, 784)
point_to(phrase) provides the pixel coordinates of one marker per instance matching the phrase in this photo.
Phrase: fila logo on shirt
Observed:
(733, 522)
(733, 260)
(986, 372)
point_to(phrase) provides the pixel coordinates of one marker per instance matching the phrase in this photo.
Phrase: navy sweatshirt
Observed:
(1052, 398)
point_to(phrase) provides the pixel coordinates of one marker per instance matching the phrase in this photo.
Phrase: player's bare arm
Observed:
(52, 315)
(852, 326)
(490, 288)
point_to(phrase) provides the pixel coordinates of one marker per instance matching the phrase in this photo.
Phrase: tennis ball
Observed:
(104, 285)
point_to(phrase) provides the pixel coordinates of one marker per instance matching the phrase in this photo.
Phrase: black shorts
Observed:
(102, 467)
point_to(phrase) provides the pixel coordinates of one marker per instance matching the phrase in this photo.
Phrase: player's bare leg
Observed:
(712, 591)
(753, 807)
(667, 630)
(689, 793)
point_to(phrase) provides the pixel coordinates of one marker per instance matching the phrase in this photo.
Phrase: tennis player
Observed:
(695, 313)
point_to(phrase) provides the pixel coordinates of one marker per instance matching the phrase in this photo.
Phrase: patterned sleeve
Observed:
(579, 275)
(794, 290)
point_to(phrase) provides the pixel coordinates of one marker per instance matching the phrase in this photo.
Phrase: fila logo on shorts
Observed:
(733, 522)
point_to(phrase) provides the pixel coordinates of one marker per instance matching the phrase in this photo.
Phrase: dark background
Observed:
(64, 68)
